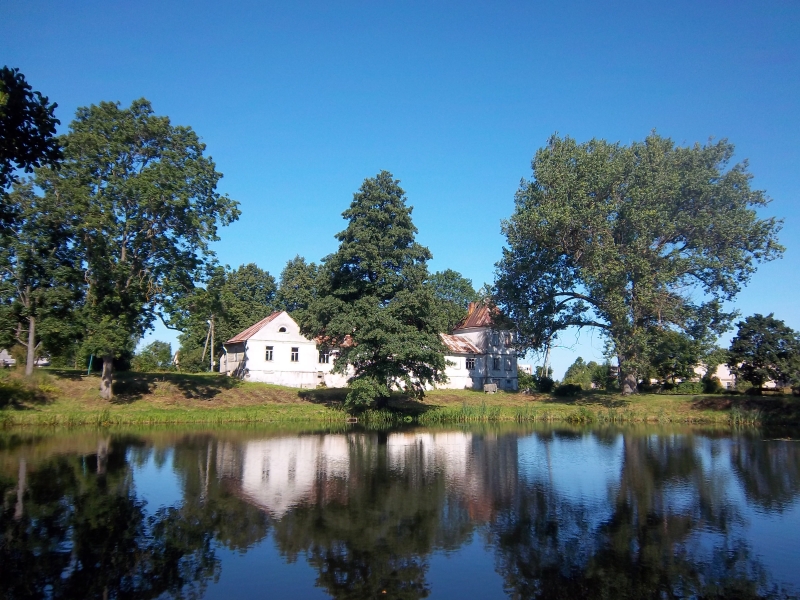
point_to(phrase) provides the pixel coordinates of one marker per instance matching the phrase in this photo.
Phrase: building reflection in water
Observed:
(558, 512)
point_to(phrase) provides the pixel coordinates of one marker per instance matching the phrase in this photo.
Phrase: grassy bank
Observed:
(70, 398)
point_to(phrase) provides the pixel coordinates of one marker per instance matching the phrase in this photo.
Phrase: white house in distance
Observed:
(274, 351)
(479, 353)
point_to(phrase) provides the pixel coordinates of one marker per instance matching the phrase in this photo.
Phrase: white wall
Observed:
(307, 372)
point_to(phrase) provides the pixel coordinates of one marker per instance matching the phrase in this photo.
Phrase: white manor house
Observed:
(274, 351)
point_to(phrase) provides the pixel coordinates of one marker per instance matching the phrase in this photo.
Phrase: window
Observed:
(282, 330)
(508, 364)
(495, 339)
(268, 355)
(324, 357)
(295, 354)
(470, 363)
(496, 363)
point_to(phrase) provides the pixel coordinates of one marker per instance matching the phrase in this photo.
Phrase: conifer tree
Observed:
(373, 304)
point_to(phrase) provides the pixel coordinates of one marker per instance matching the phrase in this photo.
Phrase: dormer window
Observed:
(282, 330)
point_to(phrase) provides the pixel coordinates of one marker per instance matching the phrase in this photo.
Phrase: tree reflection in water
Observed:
(84, 534)
(647, 548)
(368, 510)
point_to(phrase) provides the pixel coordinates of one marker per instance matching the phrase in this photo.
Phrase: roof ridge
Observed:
(245, 335)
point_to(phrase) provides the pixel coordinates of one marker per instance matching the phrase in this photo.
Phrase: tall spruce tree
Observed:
(373, 304)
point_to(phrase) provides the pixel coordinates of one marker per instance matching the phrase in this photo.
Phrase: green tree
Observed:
(298, 286)
(453, 293)
(27, 127)
(247, 296)
(622, 238)
(765, 349)
(373, 304)
(581, 373)
(156, 356)
(234, 299)
(675, 356)
(40, 276)
(148, 207)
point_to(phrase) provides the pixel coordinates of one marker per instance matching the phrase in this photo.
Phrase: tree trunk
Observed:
(628, 380)
(31, 358)
(629, 384)
(106, 378)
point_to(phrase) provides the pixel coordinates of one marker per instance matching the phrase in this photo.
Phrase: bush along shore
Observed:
(64, 398)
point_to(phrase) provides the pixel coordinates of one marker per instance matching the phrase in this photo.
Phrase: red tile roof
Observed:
(459, 345)
(252, 330)
(478, 315)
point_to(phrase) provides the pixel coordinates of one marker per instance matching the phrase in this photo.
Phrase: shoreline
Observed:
(66, 398)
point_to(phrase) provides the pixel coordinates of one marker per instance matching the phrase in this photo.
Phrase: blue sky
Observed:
(299, 101)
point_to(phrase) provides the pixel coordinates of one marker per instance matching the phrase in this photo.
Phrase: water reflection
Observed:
(561, 513)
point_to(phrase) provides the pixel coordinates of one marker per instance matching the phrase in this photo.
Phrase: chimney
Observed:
(471, 308)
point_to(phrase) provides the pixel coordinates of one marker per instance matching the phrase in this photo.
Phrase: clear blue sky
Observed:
(299, 101)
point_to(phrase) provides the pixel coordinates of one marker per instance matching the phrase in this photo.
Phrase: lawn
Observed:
(66, 397)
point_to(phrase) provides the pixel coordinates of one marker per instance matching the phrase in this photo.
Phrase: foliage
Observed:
(689, 387)
(41, 285)
(581, 373)
(526, 381)
(27, 127)
(156, 356)
(712, 385)
(545, 384)
(604, 377)
(148, 207)
(674, 356)
(453, 293)
(765, 349)
(622, 238)
(567, 390)
(234, 298)
(297, 287)
(373, 303)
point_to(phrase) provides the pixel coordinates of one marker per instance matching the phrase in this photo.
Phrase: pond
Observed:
(489, 512)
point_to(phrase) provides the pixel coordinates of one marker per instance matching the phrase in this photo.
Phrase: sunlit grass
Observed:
(64, 398)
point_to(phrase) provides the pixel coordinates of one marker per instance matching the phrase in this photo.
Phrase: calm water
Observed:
(459, 513)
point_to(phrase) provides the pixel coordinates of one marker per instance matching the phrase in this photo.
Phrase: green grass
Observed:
(63, 398)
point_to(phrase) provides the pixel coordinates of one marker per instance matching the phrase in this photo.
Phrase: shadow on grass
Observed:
(398, 403)
(130, 386)
(15, 393)
(587, 398)
(784, 409)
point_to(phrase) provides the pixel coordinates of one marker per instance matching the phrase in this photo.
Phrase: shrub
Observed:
(568, 389)
(545, 385)
(526, 381)
(712, 385)
(689, 387)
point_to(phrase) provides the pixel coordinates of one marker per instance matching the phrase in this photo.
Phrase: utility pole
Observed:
(211, 322)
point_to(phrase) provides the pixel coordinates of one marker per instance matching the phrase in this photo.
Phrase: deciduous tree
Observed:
(765, 349)
(631, 240)
(148, 207)
(453, 293)
(373, 303)
(27, 127)
(40, 275)
(233, 299)
(298, 286)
